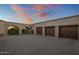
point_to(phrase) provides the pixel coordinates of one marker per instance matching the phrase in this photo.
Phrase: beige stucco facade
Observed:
(72, 20)
(4, 26)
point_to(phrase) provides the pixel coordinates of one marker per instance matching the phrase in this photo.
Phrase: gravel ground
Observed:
(37, 45)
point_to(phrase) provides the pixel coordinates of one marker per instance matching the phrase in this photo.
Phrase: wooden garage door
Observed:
(68, 32)
(50, 31)
(39, 30)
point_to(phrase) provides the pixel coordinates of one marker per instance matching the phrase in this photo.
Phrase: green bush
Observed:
(31, 31)
(25, 31)
(13, 31)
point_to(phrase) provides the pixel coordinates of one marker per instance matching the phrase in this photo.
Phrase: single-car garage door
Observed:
(50, 31)
(68, 31)
(39, 30)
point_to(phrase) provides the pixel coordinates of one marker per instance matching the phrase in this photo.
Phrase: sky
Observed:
(33, 13)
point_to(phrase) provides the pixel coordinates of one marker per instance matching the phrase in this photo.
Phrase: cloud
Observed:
(20, 13)
(27, 18)
(42, 14)
(43, 7)
(39, 7)
(16, 8)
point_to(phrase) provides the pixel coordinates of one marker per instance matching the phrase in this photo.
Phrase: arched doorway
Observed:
(25, 30)
(12, 30)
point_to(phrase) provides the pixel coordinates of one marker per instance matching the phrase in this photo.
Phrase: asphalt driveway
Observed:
(37, 45)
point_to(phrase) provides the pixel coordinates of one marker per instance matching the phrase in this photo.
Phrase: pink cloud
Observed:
(39, 7)
(26, 18)
(42, 14)
(20, 13)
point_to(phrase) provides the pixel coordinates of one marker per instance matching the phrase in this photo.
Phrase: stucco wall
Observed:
(72, 20)
(20, 26)
(4, 26)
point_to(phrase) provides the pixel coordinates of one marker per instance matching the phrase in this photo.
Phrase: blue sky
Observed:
(30, 13)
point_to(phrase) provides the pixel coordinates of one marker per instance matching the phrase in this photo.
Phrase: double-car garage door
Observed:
(70, 31)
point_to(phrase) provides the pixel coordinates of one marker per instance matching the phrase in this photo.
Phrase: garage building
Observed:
(67, 27)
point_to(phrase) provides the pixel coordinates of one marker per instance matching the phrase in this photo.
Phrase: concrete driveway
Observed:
(37, 45)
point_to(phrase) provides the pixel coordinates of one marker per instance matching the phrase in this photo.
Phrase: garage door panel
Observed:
(50, 31)
(39, 30)
(68, 31)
